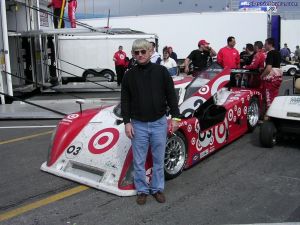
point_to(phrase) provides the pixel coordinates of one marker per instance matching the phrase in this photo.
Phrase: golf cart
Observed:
(290, 68)
(283, 116)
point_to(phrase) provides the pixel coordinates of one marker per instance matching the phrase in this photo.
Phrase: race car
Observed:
(283, 117)
(91, 147)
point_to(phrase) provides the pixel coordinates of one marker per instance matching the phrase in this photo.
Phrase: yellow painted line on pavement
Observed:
(24, 138)
(43, 202)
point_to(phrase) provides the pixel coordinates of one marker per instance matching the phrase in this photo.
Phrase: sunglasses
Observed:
(143, 52)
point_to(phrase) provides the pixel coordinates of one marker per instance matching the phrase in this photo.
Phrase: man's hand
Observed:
(173, 126)
(129, 130)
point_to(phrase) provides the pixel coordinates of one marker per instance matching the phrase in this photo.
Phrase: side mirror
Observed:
(80, 102)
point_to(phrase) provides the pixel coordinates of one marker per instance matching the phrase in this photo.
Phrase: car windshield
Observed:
(203, 78)
(117, 109)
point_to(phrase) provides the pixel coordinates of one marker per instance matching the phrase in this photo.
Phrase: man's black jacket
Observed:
(146, 92)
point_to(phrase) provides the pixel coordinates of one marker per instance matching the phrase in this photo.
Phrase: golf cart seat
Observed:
(297, 85)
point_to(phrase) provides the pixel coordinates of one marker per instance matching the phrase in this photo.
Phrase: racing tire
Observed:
(253, 114)
(268, 134)
(292, 72)
(175, 155)
(109, 75)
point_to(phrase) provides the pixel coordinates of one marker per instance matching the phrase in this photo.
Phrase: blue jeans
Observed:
(155, 134)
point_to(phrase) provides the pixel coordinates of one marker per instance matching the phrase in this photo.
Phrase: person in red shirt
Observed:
(120, 63)
(258, 63)
(228, 56)
(57, 6)
(72, 5)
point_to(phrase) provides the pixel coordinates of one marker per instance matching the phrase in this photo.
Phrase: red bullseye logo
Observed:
(103, 140)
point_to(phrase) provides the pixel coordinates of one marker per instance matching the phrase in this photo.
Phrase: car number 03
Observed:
(73, 150)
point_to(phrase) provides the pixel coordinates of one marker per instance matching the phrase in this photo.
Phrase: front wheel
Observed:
(292, 72)
(175, 155)
(253, 114)
(268, 133)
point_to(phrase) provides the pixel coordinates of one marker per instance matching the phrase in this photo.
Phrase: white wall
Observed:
(290, 33)
(183, 31)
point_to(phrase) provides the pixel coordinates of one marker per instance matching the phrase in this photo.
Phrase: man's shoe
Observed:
(141, 199)
(160, 197)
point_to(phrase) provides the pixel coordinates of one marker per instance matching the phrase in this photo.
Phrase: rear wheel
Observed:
(108, 75)
(292, 72)
(175, 155)
(253, 114)
(268, 134)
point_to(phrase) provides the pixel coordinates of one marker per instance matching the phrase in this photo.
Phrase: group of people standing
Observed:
(287, 55)
(123, 63)
(258, 56)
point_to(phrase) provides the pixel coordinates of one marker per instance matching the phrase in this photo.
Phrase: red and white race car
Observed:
(91, 147)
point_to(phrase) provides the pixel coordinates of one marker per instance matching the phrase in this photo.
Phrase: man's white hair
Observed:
(141, 44)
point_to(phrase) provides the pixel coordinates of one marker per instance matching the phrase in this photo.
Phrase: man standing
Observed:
(147, 90)
(155, 57)
(72, 5)
(120, 63)
(258, 63)
(199, 57)
(246, 58)
(285, 53)
(173, 55)
(57, 7)
(272, 74)
(228, 56)
(297, 54)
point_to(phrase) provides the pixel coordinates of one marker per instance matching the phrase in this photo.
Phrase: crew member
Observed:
(228, 56)
(155, 57)
(173, 55)
(258, 63)
(272, 74)
(72, 5)
(120, 63)
(199, 57)
(247, 57)
(57, 6)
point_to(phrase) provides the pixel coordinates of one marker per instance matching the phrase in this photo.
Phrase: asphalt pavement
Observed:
(241, 183)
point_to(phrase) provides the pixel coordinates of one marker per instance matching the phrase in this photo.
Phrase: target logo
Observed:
(239, 112)
(221, 132)
(193, 141)
(189, 128)
(72, 116)
(122, 56)
(245, 110)
(204, 90)
(230, 115)
(103, 140)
